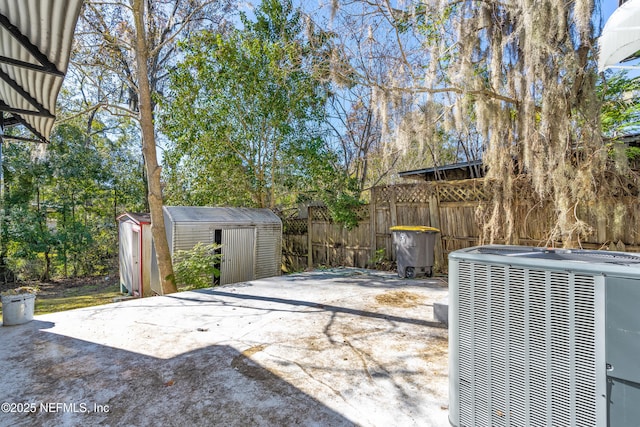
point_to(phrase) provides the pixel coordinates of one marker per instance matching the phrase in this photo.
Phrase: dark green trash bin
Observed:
(414, 246)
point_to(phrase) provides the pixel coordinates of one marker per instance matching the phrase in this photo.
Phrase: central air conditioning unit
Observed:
(543, 337)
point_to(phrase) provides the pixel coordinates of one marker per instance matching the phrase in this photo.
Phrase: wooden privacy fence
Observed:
(450, 206)
(331, 244)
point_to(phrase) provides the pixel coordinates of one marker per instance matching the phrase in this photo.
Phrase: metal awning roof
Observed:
(35, 44)
(620, 40)
(471, 169)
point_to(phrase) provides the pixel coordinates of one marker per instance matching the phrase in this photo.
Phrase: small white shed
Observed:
(135, 253)
(251, 242)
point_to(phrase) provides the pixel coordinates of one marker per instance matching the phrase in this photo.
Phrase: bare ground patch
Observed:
(399, 299)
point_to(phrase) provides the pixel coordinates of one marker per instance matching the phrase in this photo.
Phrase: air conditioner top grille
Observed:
(551, 254)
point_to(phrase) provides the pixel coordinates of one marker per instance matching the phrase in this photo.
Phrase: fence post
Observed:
(309, 237)
(392, 207)
(434, 216)
(373, 241)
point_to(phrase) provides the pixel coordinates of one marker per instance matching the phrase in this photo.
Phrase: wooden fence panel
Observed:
(453, 208)
(458, 226)
(334, 245)
(294, 252)
(413, 214)
(630, 234)
(381, 230)
(357, 245)
(533, 222)
(617, 224)
(294, 243)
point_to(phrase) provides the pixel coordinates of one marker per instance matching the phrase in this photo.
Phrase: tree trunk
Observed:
(167, 278)
(46, 274)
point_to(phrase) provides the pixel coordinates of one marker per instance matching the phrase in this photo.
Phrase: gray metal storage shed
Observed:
(251, 239)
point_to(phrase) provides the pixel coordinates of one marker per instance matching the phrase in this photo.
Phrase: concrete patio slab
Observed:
(324, 348)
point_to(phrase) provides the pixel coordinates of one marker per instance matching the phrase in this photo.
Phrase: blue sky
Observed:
(608, 6)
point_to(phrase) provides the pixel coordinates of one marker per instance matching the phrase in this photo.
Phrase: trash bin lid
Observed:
(419, 228)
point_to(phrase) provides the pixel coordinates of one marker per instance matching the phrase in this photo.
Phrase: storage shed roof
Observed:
(139, 218)
(221, 215)
(35, 44)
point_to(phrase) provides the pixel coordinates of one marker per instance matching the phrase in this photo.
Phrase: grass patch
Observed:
(76, 299)
(69, 295)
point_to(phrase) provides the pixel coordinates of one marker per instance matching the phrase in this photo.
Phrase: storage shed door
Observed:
(238, 255)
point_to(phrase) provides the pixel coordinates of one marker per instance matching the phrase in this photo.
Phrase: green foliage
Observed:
(380, 261)
(197, 267)
(633, 153)
(343, 209)
(620, 112)
(59, 206)
(246, 115)
(324, 180)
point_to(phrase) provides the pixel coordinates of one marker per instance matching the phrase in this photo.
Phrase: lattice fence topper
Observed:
(468, 190)
(320, 213)
(294, 226)
(412, 193)
(381, 194)
(462, 191)
(363, 212)
(286, 213)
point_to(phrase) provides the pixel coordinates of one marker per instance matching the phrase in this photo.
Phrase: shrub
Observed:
(196, 268)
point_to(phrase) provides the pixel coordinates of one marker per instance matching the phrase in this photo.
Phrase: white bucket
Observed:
(17, 309)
